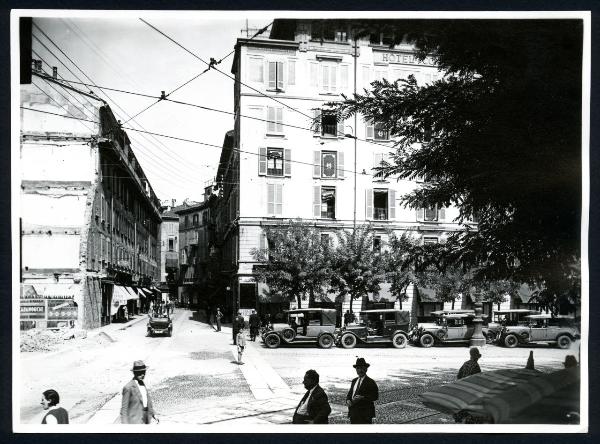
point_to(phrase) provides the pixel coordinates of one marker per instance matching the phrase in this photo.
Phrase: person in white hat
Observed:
(470, 367)
(136, 405)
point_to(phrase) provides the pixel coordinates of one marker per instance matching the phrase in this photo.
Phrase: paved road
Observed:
(194, 379)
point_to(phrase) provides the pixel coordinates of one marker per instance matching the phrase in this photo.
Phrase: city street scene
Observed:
(304, 222)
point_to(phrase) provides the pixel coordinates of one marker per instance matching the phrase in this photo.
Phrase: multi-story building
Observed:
(169, 252)
(288, 156)
(89, 217)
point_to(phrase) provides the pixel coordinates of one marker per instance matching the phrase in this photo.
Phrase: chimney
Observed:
(172, 203)
(54, 72)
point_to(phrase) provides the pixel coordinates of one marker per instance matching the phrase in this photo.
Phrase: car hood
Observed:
(429, 325)
(280, 327)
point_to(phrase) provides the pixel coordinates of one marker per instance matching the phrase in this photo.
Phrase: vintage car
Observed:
(304, 325)
(448, 327)
(386, 326)
(160, 324)
(511, 317)
(540, 328)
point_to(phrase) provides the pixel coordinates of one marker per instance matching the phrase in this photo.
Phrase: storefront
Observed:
(49, 305)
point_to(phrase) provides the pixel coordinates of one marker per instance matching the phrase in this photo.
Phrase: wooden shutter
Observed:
(316, 126)
(420, 214)
(314, 72)
(370, 130)
(317, 201)
(262, 161)
(325, 77)
(263, 241)
(279, 75)
(340, 128)
(271, 119)
(333, 77)
(287, 162)
(344, 76)
(279, 119)
(291, 72)
(278, 199)
(441, 214)
(340, 165)
(270, 199)
(272, 83)
(392, 203)
(316, 163)
(369, 203)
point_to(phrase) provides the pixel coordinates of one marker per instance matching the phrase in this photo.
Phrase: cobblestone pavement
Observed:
(193, 377)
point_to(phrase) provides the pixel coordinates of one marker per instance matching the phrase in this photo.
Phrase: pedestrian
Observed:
(362, 395)
(254, 322)
(238, 324)
(314, 406)
(56, 414)
(348, 318)
(267, 320)
(470, 367)
(218, 317)
(570, 361)
(241, 344)
(136, 405)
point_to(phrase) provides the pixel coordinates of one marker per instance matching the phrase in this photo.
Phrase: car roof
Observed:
(516, 310)
(383, 310)
(308, 310)
(458, 315)
(447, 312)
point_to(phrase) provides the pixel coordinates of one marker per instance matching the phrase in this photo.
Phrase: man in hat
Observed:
(470, 367)
(362, 395)
(136, 405)
(314, 406)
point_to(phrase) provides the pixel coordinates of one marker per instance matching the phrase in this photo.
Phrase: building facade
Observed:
(89, 217)
(169, 252)
(292, 159)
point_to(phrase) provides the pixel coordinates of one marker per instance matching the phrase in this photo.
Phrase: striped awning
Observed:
(57, 291)
(132, 293)
(120, 296)
(498, 395)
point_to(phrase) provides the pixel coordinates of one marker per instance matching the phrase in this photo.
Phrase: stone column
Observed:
(478, 340)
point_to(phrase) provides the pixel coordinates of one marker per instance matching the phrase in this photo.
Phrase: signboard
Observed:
(61, 310)
(403, 58)
(33, 309)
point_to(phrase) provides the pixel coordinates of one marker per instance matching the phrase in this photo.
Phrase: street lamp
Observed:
(477, 340)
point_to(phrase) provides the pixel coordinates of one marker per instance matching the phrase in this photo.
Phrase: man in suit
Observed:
(362, 395)
(136, 405)
(254, 322)
(314, 406)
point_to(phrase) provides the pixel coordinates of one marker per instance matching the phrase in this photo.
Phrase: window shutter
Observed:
(392, 203)
(420, 214)
(344, 76)
(316, 163)
(340, 156)
(325, 77)
(314, 70)
(279, 119)
(278, 199)
(369, 203)
(316, 121)
(287, 162)
(262, 161)
(366, 75)
(270, 119)
(263, 241)
(441, 214)
(340, 128)
(280, 75)
(333, 83)
(272, 75)
(270, 199)
(370, 131)
(317, 201)
(291, 72)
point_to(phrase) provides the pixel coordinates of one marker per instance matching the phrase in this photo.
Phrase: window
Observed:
(377, 244)
(291, 80)
(377, 131)
(380, 204)
(274, 199)
(274, 120)
(341, 36)
(328, 77)
(328, 164)
(255, 68)
(276, 76)
(195, 220)
(328, 124)
(186, 221)
(328, 202)
(428, 240)
(275, 161)
(431, 214)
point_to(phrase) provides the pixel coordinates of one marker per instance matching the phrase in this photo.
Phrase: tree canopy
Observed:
(505, 145)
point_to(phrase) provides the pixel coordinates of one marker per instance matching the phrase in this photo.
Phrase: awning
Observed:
(145, 290)
(132, 293)
(526, 293)
(140, 292)
(120, 295)
(56, 290)
(427, 294)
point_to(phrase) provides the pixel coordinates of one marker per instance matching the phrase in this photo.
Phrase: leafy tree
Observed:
(505, 145)
(355, 268)
(295, 265)
(398, 271)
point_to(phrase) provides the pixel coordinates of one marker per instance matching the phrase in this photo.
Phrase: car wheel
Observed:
(272, 341)
(148, 334)
(325, 340)
(348, 340)
(490, 337)
(427, 340)
(563, 341)
(169, 332)
(399, 340)
(288, 335)
(511, 341)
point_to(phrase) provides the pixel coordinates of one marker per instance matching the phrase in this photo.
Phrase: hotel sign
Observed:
(401, 58)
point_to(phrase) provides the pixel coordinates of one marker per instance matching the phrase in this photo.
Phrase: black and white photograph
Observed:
(300, 221)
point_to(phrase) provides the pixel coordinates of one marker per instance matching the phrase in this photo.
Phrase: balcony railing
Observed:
(380, 213)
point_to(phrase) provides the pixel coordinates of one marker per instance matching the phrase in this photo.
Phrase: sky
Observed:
(124, 53)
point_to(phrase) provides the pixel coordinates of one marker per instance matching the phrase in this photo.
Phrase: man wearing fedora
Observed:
(471, 367)
(136, 405)
(314, 406)
(362, 395)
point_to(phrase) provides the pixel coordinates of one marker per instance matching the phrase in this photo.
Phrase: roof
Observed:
(516, 310)
(190, 208)
(458, 315)
(305, 310)
(383, 310)
(447, 312)
(170, 215)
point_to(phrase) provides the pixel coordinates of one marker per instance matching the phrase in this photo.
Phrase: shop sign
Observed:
(61, 310)
(33, 309)
(404, 58)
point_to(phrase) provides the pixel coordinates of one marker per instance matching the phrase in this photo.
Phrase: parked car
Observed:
(541, 328)
(304, 325)
(511, 317)
(160, 324)
(448, 327)
(386, 326)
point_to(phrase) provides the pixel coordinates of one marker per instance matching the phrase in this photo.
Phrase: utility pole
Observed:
(355, 123)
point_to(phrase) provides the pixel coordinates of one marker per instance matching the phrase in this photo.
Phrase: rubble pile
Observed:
(40, 340)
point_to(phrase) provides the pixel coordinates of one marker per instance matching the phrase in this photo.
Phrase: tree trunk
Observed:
(351, 298)
(311, 298)
(299, 301)
(452, 304)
